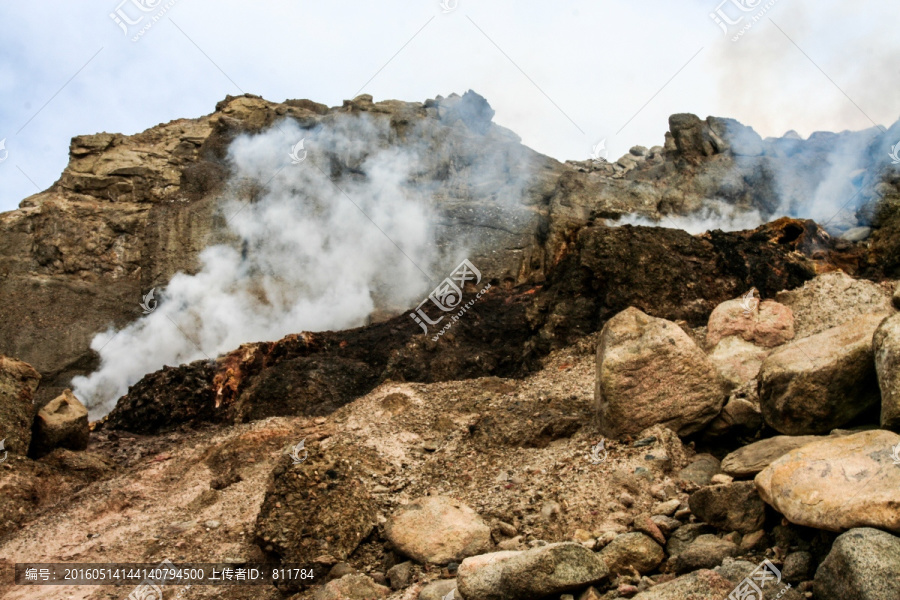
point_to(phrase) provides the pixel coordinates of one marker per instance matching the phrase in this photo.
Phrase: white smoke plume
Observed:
(307, 257)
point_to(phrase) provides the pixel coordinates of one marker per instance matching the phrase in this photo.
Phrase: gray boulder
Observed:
(541, 571)
(732, 506)
(864, 564)
(706, 552)
(821, 382)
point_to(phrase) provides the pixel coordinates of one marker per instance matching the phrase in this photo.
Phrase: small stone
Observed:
(644, 524)
(754, 541)
(212, 524)
(400, 575)
(666, 508)
(666, 524)
(339, 570)
(797, 567)
(626, 499)
(720, 478)
(506, 529)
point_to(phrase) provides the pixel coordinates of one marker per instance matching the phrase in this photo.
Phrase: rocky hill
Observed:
(622, 410)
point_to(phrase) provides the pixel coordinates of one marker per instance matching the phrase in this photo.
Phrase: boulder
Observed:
(737, 360)
(438, 590)
(821, 382)
(650, 371)
(541, 571)
(319, 506)
(864, 564)
(632, 551)
(705, 552)
(701, 469)
(61, 423)
(684, 536)
(797, 567)
(886, 347)
(837, 483)
(699, 585)
(437, 529)
(765, 324)
(351, 587)
(732, 506)
(18, 382)
(832, 299)
(753, 458)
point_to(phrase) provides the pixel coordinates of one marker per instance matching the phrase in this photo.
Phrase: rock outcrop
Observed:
(18, 382)
(650, 371)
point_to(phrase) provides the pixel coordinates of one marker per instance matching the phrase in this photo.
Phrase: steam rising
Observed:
(307, 259)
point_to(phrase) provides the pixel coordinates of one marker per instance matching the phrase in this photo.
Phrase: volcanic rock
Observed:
(437, 529)
(837, 483)
(821, 382)
(62, 423)
(730, 507)
(18, 382)
(864, 564)
(541, 571)
(886, 347)
(650, 371)
(632, 551)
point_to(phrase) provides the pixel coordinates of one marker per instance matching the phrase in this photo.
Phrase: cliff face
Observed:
(129, 212)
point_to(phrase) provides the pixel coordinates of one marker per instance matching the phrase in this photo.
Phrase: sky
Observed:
(563, 76)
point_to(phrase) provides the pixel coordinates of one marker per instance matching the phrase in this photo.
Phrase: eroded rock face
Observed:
(886, 347)
(18, 382)
(821, 382)
(438, 530)
(838, 483)
(650, 371)
(535, 573)
(864, 564)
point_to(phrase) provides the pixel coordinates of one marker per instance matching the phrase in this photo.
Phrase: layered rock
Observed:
(837, 483)
(822, 381)
(650, 371)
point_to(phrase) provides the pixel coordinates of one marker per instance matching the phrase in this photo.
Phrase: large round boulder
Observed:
(837, 483)
(438, 529)
(864, 564)
(649, 371)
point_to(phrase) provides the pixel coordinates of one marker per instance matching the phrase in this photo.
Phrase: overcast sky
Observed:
(562, 75)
